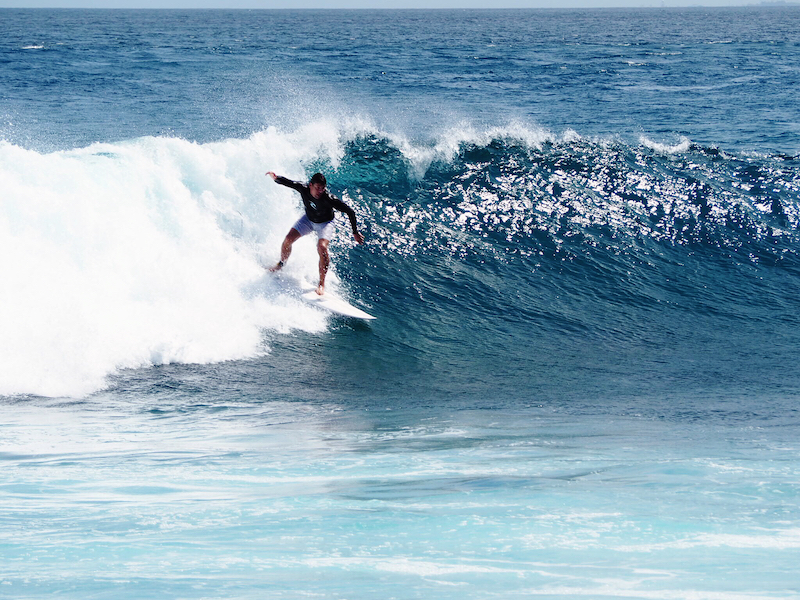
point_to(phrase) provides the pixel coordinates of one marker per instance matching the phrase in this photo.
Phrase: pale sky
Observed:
(256, 4)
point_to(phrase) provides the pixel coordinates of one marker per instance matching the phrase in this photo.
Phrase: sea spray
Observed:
(138, 253)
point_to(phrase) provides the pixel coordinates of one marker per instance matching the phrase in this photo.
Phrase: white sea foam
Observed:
(449, 142)
(145, 252)
(682, 145)
(618, 591)
(422, 568)
(787, 539)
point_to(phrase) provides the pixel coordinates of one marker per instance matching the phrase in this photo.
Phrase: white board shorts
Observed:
(304, 226)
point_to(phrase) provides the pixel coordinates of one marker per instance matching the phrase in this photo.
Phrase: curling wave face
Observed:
(152, 250)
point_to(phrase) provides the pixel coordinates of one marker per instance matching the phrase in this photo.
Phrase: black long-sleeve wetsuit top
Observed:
(318, 210)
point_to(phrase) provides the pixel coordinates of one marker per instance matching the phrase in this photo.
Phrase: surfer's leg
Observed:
(286, 248)
(324, 263)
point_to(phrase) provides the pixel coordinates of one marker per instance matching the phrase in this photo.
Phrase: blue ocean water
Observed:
(582, 250)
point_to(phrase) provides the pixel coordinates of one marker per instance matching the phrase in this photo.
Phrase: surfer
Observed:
(319, 206)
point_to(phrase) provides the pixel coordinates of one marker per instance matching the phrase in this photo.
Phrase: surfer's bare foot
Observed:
(321, 289)
(277, 267)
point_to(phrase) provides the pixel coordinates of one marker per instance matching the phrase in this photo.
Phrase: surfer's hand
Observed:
(271, 174)
(359, 237)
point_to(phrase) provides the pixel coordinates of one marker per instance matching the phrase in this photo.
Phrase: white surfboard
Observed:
(335, 305)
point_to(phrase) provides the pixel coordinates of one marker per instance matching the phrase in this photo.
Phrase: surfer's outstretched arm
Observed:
(280, 179)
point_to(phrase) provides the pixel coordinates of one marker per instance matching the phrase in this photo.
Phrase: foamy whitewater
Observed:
(582, 251)
(141, 253)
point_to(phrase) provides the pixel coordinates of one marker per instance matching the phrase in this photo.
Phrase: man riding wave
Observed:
(319, 206)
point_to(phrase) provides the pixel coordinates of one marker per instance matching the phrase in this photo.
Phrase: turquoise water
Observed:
(280, 500)
(582, 253)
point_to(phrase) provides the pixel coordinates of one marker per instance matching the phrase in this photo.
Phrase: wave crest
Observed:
(152, 251)
(566, 193)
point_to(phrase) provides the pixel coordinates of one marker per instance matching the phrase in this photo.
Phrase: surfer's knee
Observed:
(322, 248)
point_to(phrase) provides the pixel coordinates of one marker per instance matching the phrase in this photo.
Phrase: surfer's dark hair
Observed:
(319, 178)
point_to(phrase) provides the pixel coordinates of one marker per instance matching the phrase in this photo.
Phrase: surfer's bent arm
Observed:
(342, 207)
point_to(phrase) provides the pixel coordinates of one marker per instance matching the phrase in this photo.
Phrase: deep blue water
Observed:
(582, 252)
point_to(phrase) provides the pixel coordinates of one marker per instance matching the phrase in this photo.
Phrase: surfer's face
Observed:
(316, 189)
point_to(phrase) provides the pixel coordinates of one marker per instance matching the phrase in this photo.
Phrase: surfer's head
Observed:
(317, 184)
(318, 178)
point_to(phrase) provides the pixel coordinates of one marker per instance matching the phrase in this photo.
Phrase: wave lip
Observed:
(683, 145)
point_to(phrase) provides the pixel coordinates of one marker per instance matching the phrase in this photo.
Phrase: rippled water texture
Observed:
(581, 249)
